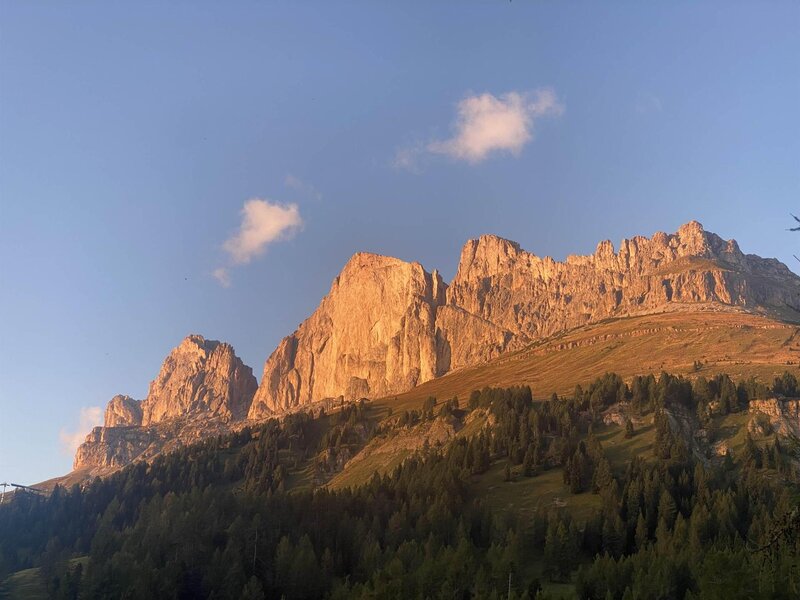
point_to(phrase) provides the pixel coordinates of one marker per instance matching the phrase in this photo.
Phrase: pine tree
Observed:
(667, 508)
(641, 532)
(253, 590)
(574, 474)
(628, 428)
(602, 475)
(528, 463)
(565, 552)
(283, 563)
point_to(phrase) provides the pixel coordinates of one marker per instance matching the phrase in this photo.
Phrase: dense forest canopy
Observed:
(223, 519)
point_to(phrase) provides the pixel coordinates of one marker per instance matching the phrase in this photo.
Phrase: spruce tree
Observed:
(628, 428)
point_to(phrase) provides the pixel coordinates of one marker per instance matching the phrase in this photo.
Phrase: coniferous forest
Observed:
(224, 519)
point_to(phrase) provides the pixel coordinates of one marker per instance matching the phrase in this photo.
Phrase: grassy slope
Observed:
(735, 343)
(546, 491)
(28, 584)
(739, 344)
(620, 450)
(362, 470)
(526, 495)
(25, 584)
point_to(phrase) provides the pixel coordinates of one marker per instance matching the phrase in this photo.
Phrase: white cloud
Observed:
(91, 416)
(487, 124)
(303, 187)
(222, 276)
(263, 222)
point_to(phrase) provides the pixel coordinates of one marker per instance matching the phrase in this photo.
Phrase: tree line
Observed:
(223, 518)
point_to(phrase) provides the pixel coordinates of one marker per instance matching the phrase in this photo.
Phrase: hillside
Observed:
(707, 342)
(723, 341)
(390, 330)
(467, 498)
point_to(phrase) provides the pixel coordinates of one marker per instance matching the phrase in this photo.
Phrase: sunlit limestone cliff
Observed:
(387, 325)
(374, 334)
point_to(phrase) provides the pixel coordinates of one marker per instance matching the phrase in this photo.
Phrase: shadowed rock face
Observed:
(388, 325)
(108, 449)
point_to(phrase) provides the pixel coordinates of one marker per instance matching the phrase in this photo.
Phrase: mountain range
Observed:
(387, 327)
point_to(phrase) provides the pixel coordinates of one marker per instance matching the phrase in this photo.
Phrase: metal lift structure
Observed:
(25, 488)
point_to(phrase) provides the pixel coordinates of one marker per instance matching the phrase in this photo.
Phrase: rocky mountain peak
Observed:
(201, 389)
(366, 260)
(693, 240)
(692, 231)
(200, 376)
(690, 240)
(363, 268)
(123, 411)
(486, 255)
(604, 252)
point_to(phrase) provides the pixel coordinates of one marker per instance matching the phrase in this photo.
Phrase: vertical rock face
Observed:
(533, 297)
(108, 448)
(782, 415)
(200, 376)
(123, 411)
(388, 325)
(373, 334)
(463, 338)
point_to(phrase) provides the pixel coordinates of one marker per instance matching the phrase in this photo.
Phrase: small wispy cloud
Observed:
(407, 157)
(91, 416)
(304, 187)
(648, 103)
(263, 223)
(487, 124)
(223, 276)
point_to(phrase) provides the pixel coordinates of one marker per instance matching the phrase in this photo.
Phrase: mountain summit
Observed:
(200, 376)
(201, 389)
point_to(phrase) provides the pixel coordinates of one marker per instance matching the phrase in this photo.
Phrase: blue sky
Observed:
(131, 137)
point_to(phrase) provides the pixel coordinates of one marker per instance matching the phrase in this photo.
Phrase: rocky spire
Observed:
(123, 411)
(200, 376)
(201, 389)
